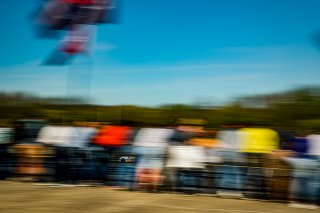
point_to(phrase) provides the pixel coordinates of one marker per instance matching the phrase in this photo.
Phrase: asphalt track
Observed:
(28, 197)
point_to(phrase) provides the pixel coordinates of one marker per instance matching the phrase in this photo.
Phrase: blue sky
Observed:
(171, 51)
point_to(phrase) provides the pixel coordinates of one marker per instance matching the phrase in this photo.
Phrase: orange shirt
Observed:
(112, 136)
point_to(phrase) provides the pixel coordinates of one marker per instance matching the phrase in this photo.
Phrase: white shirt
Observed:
(186, 157)
(153, 137)
(66, 136)
(230, 139)
(314, 144)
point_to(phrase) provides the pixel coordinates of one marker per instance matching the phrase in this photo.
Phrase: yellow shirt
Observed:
(258, 140)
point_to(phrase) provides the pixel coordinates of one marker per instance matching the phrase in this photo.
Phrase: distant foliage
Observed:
(298, 109)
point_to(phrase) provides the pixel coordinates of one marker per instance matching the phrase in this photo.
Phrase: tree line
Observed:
(294, 109)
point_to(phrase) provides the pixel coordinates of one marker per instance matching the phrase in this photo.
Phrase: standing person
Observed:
(257, 143)
(150, 146)
(230, 172)
(64, 141)
(179, 137)
(304, 180)
(186, 163)
(305, 187)
(6, 157)
(210, 144)
(114, 139)
(314, 152)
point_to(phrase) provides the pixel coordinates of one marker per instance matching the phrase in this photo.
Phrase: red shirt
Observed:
(112, 136)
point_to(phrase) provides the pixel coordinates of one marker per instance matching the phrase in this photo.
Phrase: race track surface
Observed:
(29, 197)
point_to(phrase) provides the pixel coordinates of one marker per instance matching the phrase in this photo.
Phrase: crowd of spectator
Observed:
(253, 162)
